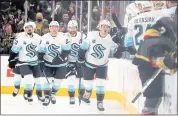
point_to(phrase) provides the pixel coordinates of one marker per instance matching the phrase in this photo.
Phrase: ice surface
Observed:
(17, 105)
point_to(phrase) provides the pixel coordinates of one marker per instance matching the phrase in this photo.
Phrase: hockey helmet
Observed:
(54, 23)
(131, 10)
(29, 24)
(72, 23)
(104, 22)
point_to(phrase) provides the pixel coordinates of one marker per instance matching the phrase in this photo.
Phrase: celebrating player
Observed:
(25, 46)
(73, 70)
(95, 50)
(56, 47)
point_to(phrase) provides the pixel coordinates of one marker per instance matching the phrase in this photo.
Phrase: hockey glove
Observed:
(41, 61)
(118, 53)
(119, 36)
(13, 59)
(62, 58)
(131, 50)
(168, 62)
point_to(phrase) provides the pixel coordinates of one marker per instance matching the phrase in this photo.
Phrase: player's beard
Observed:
(73, 33)
(29, 32)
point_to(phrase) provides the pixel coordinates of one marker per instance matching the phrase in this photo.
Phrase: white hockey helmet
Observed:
(144, 4)
(72, 23)
(54, 23)
(104, 22)
(131, 10)
(29, 24)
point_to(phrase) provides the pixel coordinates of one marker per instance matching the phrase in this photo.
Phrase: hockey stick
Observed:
(116, 21)
(80, 75)
(155, 75)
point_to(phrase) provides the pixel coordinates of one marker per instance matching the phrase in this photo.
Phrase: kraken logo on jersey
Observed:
(53, 49)
(74, 50)
(98, 51)
(15, 41)
(31, 50)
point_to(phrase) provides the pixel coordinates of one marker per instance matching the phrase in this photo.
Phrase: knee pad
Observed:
(28, 82)
(81, 84)
(17, 79)
(100, 83)
(46, 86)
(88, 84)
(71, 80)
(28, 79)
(47, 83)
(38, 82)
(57, 84)
(71, 83)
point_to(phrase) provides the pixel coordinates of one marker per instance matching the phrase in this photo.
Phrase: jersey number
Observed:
(140, 32)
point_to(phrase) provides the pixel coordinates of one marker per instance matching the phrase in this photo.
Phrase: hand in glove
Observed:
(131, 50)
(168, 62)
(13, 62)
(119, 36)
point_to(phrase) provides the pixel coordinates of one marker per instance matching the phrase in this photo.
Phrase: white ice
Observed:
(17, 105)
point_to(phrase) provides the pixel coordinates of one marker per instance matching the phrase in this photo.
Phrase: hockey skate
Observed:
(46, 101)
(72, 100)
(53, 99)
(25, 96)
(146, 112)
(86, 97)
(41, 98)
(30, 100)
(15, 92)
(100, 106)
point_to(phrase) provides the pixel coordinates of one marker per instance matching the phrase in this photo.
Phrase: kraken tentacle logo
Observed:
(15, 41)
(53, 49)
(98, 51)
(30, 48)
(74, 50)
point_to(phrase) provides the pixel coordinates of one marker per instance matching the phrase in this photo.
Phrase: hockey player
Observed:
(25, 46)
(154, 93)
(94, 52)
(56, 47)
(158, 50)
(73, 71)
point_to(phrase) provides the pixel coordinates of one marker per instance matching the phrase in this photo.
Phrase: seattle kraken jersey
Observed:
(26, 47)
(99, 48)
(53, 46)
(75, 45)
